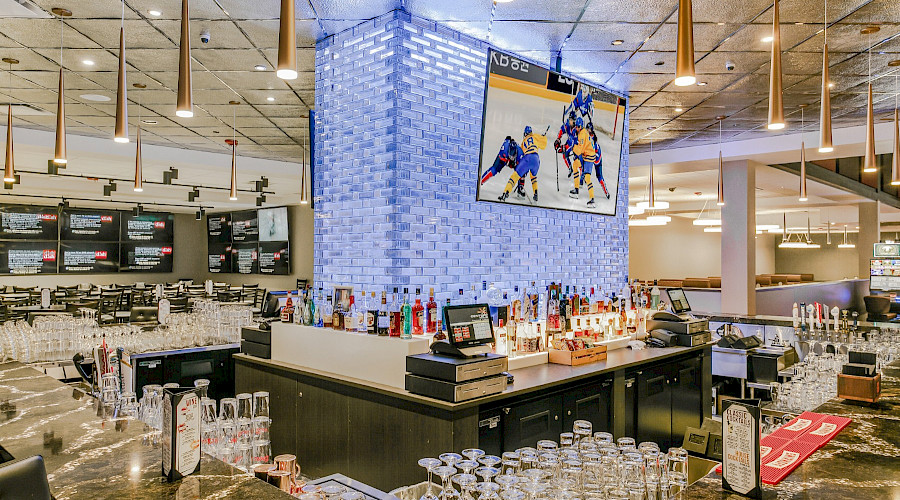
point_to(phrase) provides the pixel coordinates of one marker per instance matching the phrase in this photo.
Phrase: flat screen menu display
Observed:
(148, 227)
(244, 226)
(146, 257)
(274, 258)
(27, 222)
(219, 257)
(245, 258)
(273, 224)
(884, 274)
(218, 228)
(89, 225)
(88, 257)
(27, 257)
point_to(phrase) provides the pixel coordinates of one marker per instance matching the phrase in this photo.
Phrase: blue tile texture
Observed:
(398, 104)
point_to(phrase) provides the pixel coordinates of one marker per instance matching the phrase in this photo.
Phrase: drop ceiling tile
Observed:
(245, 122)
(599, 36)
(729, 11)
(875, 12)
(218, 97)
(139, 34)
(629, 81)
(223, 34)
(171, 9)
(264, 33)
(459, 10)
(291, 122)
(250, 79)
(706, 38)
(744, 62)
(39, 97)
(227, 110)
(750, 37)
(150, 59)
(43, 33)
(229, 60)
(526, 35)
(75, 106)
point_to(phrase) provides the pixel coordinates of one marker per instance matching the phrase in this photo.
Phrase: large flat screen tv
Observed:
(145, 257)
(273, 224)
(274, 258)
(88, 257)
(548, 140)
(156, 227)
(27, 257)
(89, 225)
(20, 222)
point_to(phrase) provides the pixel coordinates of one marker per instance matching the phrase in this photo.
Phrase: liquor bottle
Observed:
(431, 313)
(287, 312)
(533, 295)
(327, 312)
(372, 315)
(418, 315)
(553, 309)
(406, 312)
(564, 311)
(515, 308)
(527, 305)
(384, 321)
(337, 314)
(576, 302)
(396, 323)
(500, 343)
(460, 299)
(654, 296)
(585, 302)
(542, 304)
(349, 317)
(313, 307)
(362, 310)
(441, 331)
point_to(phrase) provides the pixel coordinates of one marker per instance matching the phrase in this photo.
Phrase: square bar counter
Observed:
(88, 457)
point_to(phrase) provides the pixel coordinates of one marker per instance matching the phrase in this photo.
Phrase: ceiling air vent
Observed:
(21, 109)
(21, 8)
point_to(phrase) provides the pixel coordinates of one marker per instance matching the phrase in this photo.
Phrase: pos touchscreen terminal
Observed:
(469, 331)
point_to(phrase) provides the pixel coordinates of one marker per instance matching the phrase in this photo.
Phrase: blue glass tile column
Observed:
(399, 102)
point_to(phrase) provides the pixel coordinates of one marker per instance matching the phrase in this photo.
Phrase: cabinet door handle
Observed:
(555, 417)
(299, 394)
(569, 412)
(506, 411)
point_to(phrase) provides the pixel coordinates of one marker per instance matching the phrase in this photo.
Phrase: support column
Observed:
(738, 238)
(869, 234)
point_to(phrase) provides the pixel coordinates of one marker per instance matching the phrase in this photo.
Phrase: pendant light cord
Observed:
(825, 22)
(62, 24)
(123, 14)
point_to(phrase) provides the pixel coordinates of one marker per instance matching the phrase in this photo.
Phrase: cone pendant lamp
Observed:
(287, 43)
(803, 196)
(122, 92)
(652, 196)
(895, 162)
(232, 194)
(138, 168)
(720, 201)
(9, 170)
(684, 57)
(776, 100)
(825, 143)
(869, 164)
(185, 104)
(59, 151)
(304, 199)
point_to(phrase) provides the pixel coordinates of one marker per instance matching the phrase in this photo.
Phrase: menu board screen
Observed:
(88, 257)
(273, 224)
(245, 258)
(884, 274)
(90, 225)
(146, 257)
(218, 228)
(274, 258)
(27, 257)
(244, 226)
(219, 258)
(148, 227)
(27, 222)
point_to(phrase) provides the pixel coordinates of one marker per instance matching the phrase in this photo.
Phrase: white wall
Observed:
(189, 260)
(682, 250)
(826, 263)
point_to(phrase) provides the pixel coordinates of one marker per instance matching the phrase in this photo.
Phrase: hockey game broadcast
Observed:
(548, 140)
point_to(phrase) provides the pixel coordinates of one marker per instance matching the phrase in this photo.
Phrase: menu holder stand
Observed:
(740, 448)
(180, 433)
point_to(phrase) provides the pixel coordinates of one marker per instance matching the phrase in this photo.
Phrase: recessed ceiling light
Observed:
(766, 39)
(720, 24)
(149, 122)
(678, 110)
(95, 97)
(799, 23)
(618, 42)
(154, 13)
(830, 84)
(702, 84)
(260, 67)
(270, 98)
(87, 62)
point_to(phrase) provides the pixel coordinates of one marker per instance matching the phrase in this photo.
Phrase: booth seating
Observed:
(669, 283)
(715, 282)
(695, 283)
(878, 308)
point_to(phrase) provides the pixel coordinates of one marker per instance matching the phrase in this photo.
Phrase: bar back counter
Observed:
(375, 431)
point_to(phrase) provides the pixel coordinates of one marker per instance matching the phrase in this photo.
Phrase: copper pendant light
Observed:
(138, 168)
(59, 152)
(895, 157)
(232, 194)
(825, 140)
(803, 196)
(287, 42)
(185, 104)
(776, 99)
(9, 170)
(122, 92)
(304, 198)
(869, 164)
(720, 200)
(138, 164)
(684, 57)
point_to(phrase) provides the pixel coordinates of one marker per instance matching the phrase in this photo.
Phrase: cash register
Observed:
(462, 367)
(680, 328)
